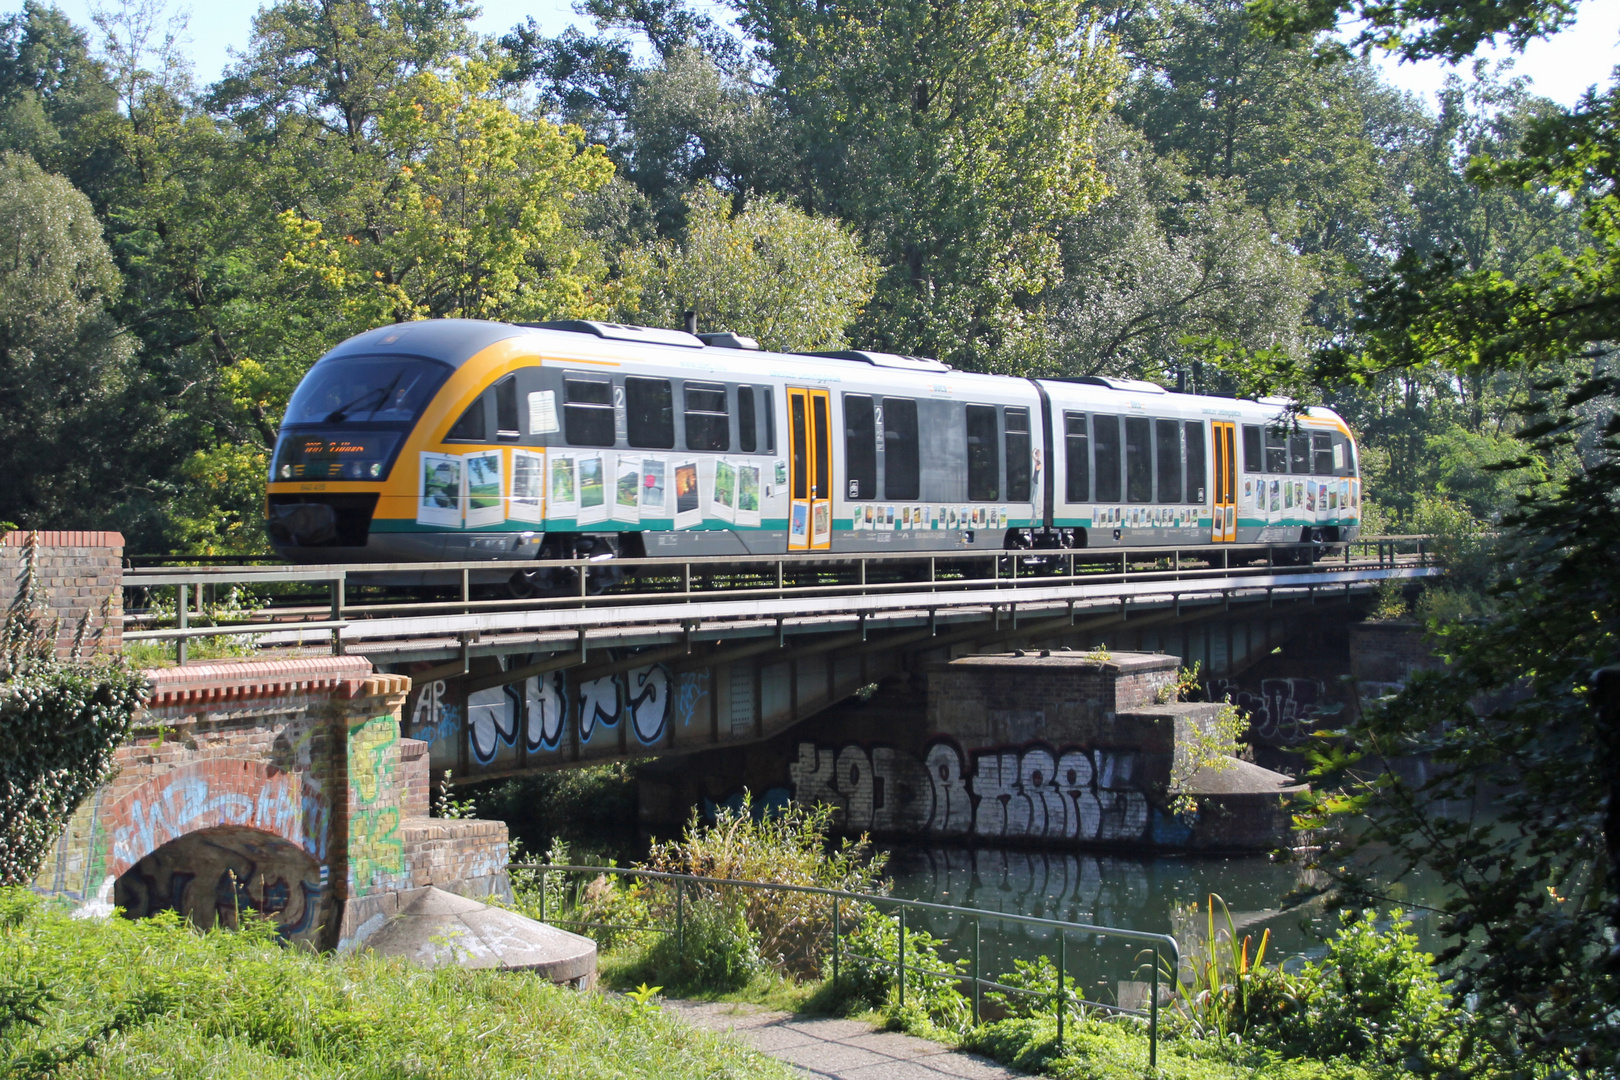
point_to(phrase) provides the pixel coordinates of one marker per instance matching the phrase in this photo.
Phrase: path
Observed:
(838, 1049)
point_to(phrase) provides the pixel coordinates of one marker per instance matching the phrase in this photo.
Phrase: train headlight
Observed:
(376, 469)
(286, 472)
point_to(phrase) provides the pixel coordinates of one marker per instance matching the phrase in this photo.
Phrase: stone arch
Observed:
(220, 875)
(211, 794)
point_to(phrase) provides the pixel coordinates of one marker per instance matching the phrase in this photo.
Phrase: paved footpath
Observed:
(838, 1049)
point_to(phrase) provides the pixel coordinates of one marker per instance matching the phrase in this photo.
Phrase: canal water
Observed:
(1137, 893)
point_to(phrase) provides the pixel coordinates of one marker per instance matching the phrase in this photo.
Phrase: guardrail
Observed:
(1061, 996)
(946, 579)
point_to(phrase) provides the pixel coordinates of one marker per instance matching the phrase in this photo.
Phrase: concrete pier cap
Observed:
(438, 928)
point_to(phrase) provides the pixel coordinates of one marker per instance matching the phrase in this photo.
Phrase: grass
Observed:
(155, 998)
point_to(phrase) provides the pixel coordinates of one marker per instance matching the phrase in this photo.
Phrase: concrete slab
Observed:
(437, 927)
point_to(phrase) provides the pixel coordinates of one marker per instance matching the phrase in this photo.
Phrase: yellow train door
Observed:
(1224, 529)
(810, 485)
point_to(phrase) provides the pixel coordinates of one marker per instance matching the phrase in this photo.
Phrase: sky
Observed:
(1559, 68)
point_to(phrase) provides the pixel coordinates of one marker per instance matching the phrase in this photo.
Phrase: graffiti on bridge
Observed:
(1026, 792)
(1285, 711)
(534, 713)
(376, 848)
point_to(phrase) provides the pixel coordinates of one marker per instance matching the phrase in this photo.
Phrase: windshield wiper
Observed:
(339, 414)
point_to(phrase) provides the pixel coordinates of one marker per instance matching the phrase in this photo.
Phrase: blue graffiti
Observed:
(690, 690)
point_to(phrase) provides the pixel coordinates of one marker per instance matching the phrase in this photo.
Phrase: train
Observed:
(458, 439)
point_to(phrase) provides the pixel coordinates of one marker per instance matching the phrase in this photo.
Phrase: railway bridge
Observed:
(991, 697)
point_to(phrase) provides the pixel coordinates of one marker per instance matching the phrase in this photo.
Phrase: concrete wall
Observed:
(279, 786)
(79, 574)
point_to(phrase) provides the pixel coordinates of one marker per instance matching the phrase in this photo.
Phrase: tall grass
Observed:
(155, 998)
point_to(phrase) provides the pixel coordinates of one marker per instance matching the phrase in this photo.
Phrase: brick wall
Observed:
(79, 574)
(1389, 652)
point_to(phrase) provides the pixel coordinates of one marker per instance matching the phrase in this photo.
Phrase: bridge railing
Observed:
(1062, 996)
(688, 580)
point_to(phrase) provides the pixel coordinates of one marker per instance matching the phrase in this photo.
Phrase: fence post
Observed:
(542, 894)
(902, 956)
(183, 617)
(1153, 1014)
(836, 934)
(975, 970)
(1062, 1005)
(680, 918)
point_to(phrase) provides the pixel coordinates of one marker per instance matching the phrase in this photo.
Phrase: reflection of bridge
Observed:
(678, 655)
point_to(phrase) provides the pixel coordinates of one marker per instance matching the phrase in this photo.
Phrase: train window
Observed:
(1077, 458)
(1196, 457)
(588, 412)
(1299, 454)
(983, 454)
(1138, 459)
(818, 417)
(1276, 451)
(387, 389)
(1252, 461)
(747, 429)
(650, 404)
(506, 410)
(1321, 453)
(1017, 437)
(471, 427)
(801, 440)
(1105, 433)
(901, 476)
(1167, 439)
(860, 447)
(770, 422)
(708, 422)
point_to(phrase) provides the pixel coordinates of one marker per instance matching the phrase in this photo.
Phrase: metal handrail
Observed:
(1060, 995)
(1084, 567)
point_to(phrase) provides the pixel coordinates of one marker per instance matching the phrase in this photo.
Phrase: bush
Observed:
(1374, 996)
(786, 847)
(715, 953)
(870, 975)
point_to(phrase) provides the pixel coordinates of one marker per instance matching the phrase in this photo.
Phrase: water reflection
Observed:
(1113, 890)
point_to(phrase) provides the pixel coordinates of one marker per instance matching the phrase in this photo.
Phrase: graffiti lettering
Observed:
(598, 700)
(647, 699)
(691, 689)
(1026, 792)
(546, 704)
(1285, 711)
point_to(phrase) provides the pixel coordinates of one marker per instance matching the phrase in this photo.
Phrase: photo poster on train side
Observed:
(564, 486)
(528, 486)
(748, 494)
(723, 504)
(486, 495)
(1310, 496)
(688, 505)
(654, 482)
(627, 488)
(593, 490)
(439, 492)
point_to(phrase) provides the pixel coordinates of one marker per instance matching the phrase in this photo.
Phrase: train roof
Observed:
(455, 341)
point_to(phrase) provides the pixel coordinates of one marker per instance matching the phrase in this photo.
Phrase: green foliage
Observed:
(791, 281)
(1375, 998)
(1211, 745)
(716, 951)
(1215, 980)
(1038, 979)
(870, 975)
(790, 846)
(63, 722)
(1390, 604)
(132, 999)
(590, 809)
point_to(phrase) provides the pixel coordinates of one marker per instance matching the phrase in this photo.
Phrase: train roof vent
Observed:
(728, 340)
(886, 360)
(647, 335)
(1136, 386)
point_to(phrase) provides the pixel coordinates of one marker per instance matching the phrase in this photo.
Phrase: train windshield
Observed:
(366, 389)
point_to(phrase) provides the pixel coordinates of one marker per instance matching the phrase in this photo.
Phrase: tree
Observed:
(63, 360)
(956, 137)
(792, 281)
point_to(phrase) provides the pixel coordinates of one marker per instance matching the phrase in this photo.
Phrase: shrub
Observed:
(788, 847)
(870, 976)
(716, 952)
(63, 721)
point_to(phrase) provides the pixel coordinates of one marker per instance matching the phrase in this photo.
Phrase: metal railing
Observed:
(665, 582)
(1061, 996)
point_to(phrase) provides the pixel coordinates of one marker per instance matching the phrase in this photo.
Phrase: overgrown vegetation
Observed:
(63, 720)
(119, 999)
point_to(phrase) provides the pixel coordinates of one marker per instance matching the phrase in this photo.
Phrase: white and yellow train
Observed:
(458, 439)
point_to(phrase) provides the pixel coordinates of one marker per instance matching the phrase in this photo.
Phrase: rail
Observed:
(1061, 996)
(671, 584)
